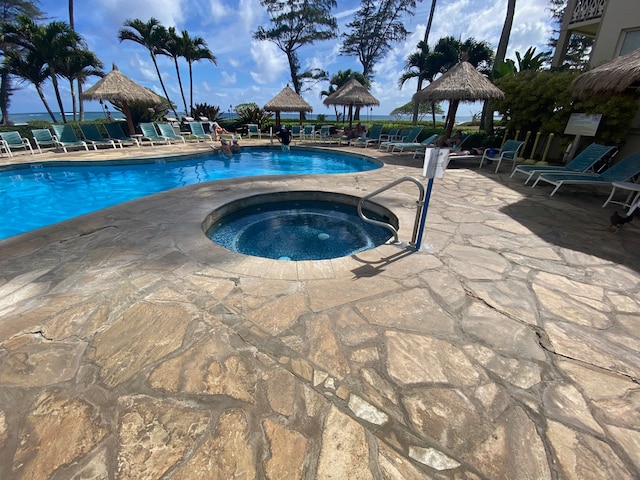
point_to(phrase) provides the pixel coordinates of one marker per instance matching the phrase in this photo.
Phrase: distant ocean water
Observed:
(23, 118)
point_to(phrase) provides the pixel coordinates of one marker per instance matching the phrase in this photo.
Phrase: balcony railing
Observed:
(588, 10)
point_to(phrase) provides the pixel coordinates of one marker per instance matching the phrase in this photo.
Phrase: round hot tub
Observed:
(298, 226)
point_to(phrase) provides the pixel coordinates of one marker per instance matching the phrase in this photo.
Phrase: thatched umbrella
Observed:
(115, 86)
(351, 94)
(461, 83)
(287, 101)
(620, 75)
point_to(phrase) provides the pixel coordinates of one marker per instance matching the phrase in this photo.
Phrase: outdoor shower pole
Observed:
(423, 217)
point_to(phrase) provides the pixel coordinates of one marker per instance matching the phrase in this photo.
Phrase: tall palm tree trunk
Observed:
(5, 92)
(501, 52)
(184, 100)
(164, 89)
(416, 105)
(46, 104)
(56, 89)
(190, 89)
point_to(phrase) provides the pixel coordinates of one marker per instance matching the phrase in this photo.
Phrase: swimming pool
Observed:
(42, 195)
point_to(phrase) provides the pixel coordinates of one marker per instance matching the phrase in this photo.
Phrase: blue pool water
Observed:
(44, 195)
(298, 230)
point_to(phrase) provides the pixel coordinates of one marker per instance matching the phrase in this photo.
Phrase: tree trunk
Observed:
(501, 52)
(56, 89)
(164, 89)
(184, 100)
(73, 100)
(46, 105)
(5, 91)
(416, 105)
(191, 90)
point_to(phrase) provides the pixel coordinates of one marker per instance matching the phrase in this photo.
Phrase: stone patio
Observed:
(132, 347)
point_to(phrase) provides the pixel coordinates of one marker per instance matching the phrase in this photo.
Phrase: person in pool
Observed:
(284, 136)
(228, 147)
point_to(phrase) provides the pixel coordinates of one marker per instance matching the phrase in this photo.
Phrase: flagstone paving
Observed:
(506, 348)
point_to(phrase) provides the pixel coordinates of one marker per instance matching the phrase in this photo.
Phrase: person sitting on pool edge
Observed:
(284, 136)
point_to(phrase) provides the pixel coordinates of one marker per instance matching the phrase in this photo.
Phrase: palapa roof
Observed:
(287, 101)
(622, 74)
(461, 82)
(115, 86)
(352, 93)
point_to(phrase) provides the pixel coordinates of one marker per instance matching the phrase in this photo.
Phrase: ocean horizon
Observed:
(23, 118)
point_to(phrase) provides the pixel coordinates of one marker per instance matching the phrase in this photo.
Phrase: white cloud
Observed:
(269, 62)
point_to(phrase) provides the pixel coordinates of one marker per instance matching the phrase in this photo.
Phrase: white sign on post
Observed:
(436, 161)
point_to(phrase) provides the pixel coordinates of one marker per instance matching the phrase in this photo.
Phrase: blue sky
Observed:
(251, 71)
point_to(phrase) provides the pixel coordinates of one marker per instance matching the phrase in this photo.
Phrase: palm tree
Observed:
(29, 68)
(8, 13)
(77, 66)
(173, 48)
(501, 53)
(340, 79)
(417, 66)
(194, 50)
(151, 35)
(47, 44)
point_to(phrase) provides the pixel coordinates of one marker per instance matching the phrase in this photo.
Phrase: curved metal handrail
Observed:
(387, 225)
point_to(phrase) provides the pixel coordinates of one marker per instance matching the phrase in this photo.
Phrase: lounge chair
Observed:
(580, 164)
(92, 135)
(324, 135)
(391, 135)
(150, 133)
(64, 137)
(621, 171)
(509, 151)
(43, 138)
(115, 132)
(372, 137)
(308, 132)
(253, 129)
(296, 132)
(410, 137)
(400, 136)
(401, 147)
(197, 130)
(166, 130)
(13, 140)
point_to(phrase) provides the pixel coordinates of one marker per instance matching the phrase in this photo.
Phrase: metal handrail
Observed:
(419, 203)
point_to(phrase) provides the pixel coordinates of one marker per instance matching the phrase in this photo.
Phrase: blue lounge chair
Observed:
(401, 147)
(621, 171)
(410, 137)
(43, 138)
(150, 133)
(390, 136)
(92, 135)
(197, 130)
(509, 151)
(64, 137)
(308, 132)
(582, 162)
(115, 132)
(166, 130)
(13, 140)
